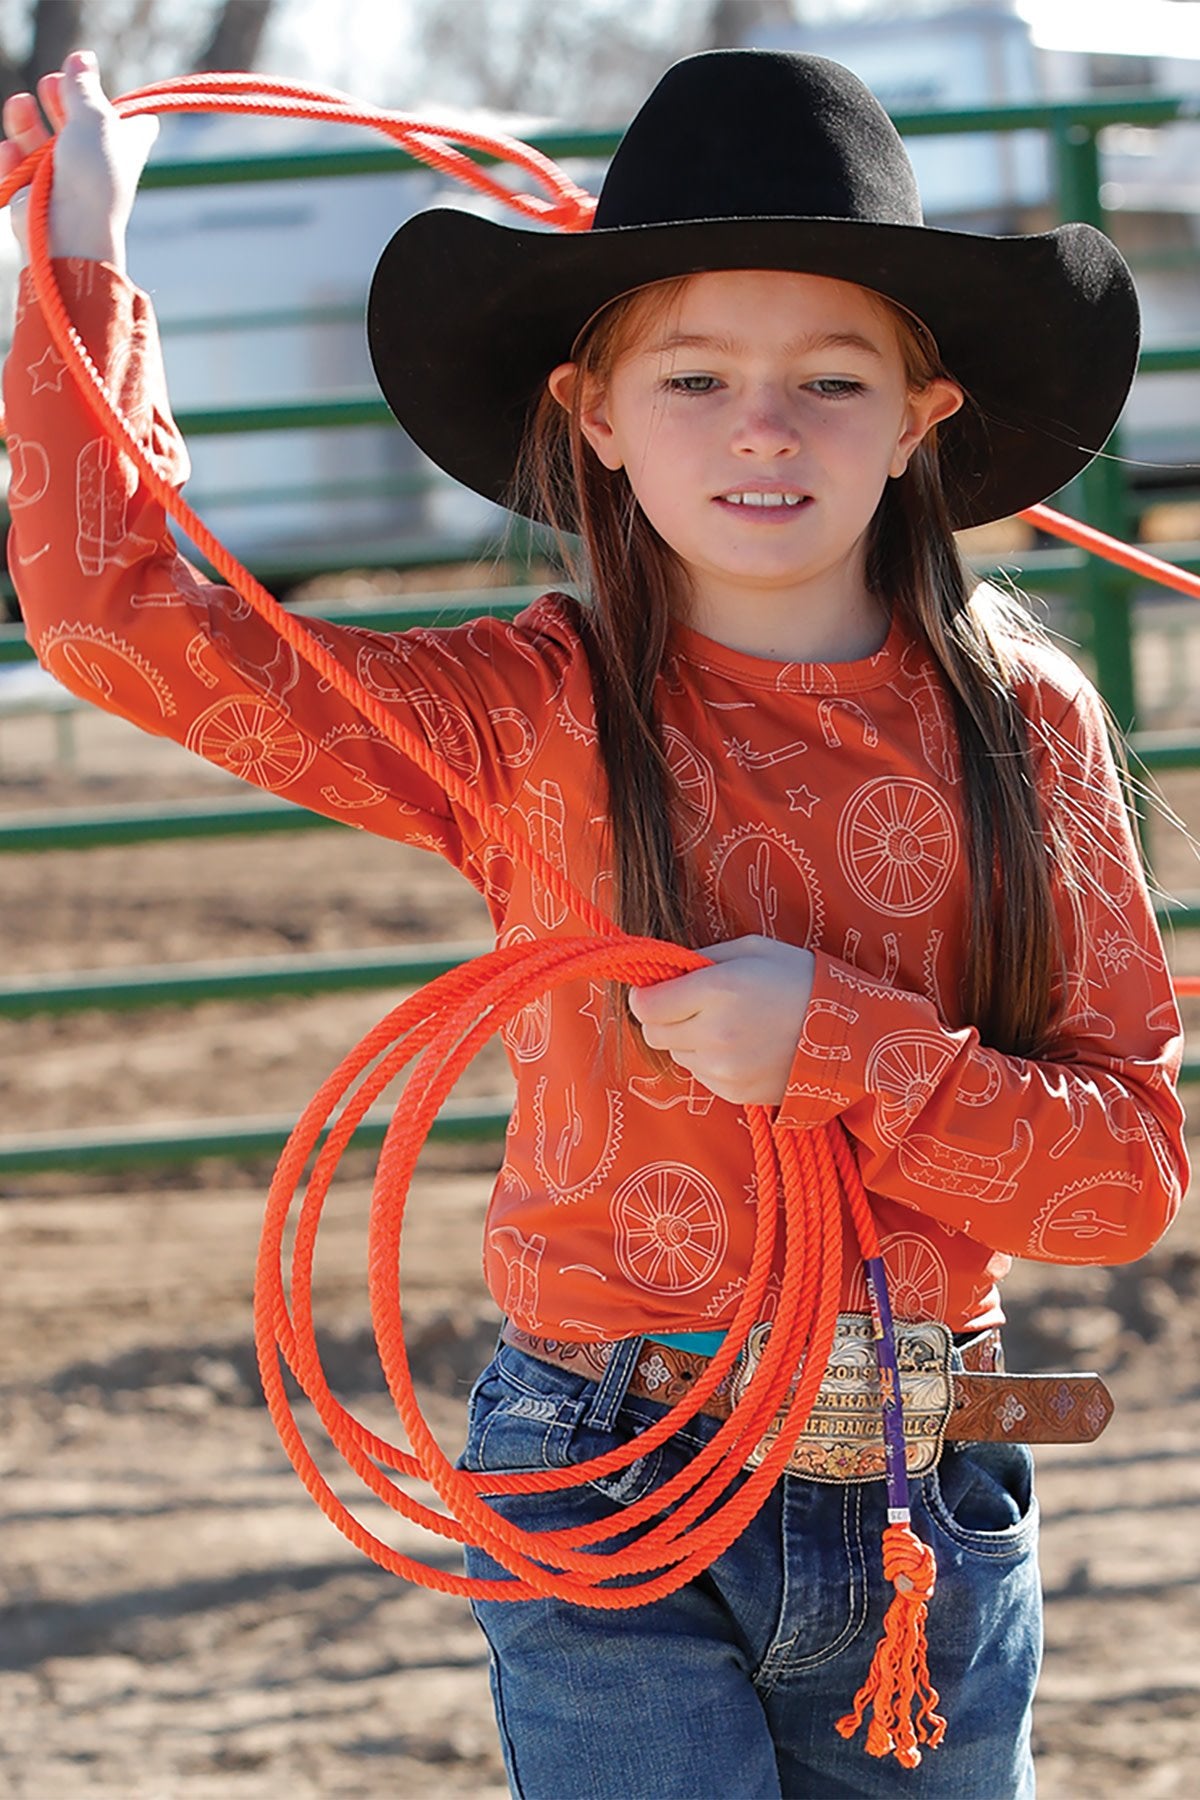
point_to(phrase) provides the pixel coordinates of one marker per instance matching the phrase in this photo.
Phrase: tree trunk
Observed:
(57, 29)
(237, 35)
(732, 23)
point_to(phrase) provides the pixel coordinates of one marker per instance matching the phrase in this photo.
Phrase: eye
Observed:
(835, 387)
(691, 384)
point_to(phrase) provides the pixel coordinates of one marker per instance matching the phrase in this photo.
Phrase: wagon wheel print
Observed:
(916, 1277)
(697, 788)
(252, 738)
(449, 729)
(897, 842)
(902, 1072)
(670, 1228)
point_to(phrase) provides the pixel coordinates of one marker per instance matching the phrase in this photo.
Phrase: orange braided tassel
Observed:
(899, 1672)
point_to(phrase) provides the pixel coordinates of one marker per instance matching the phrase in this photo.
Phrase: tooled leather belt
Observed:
(842, 1439)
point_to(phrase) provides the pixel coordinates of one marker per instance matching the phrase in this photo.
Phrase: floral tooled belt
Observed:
(956, 1393)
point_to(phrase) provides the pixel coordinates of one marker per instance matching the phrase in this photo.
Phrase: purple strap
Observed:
(895, 1460)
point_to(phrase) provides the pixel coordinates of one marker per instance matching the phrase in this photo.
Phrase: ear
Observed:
(593, 410)
(926, 408)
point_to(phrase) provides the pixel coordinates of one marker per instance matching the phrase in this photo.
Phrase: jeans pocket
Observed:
(521, 1415)
(524, 1414)
(982, 1497)
(636, 1479)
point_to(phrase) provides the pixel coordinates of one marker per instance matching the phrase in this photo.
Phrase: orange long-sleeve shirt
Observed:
(822, 806)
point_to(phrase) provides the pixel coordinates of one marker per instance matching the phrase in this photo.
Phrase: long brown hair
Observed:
(1014, 980)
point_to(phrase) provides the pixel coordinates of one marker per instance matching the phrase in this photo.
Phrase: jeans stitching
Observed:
(1016, 1540)
(546, 1459)
(1007, 1545)
(778, 1661)
(510, 1749)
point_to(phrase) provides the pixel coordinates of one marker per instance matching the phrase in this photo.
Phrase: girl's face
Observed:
(758, 418)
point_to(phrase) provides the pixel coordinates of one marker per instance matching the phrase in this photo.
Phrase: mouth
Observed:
(757, 503)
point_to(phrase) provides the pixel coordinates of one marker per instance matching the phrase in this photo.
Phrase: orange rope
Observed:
(1126, 556)
(438, 1031)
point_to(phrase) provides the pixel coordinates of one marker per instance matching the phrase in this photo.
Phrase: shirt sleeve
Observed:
(121, 618)
(1077, 1156)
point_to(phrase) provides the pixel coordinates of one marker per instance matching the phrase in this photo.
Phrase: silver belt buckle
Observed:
(842, 1438)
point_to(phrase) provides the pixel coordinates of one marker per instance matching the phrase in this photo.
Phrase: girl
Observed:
(785, 726)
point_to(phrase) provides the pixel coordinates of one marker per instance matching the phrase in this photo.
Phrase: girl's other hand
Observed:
(97, 160)
(735, 1025)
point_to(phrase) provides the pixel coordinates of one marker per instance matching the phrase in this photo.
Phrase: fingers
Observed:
(24, 128)
(76, 89)
(667, 1002)
(50, 94)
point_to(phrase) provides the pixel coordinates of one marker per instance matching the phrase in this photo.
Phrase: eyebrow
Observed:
(822, 340)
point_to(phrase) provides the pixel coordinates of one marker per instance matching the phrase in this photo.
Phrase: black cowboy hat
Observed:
(754, 159)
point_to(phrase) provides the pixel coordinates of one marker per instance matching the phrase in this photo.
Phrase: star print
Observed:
(47, 371)
(803, 800)
(596, 1008)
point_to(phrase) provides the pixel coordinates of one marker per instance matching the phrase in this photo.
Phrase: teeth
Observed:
(754, 499)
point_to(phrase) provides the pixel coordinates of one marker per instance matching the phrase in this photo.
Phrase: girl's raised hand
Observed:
(734, 1026)
(98, 160)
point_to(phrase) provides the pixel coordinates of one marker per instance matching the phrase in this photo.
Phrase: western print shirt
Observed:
(821, 804)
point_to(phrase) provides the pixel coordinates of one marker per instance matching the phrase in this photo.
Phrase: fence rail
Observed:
(240, 978)
(120, 1148)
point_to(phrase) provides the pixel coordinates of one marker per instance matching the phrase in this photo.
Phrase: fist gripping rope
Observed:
(803, 1178)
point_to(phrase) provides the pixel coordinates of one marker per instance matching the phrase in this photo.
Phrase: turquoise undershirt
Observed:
(700, 1343)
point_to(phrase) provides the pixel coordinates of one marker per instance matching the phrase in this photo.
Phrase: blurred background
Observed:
(183, 961)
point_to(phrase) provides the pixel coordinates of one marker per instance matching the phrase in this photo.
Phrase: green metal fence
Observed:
(1100, 598)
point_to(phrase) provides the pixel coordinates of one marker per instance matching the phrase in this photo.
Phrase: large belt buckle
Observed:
(842, 1438)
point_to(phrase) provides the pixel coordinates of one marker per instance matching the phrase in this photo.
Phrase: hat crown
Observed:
(759, 134)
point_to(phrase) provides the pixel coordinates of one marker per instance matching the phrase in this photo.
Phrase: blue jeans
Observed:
(729, 1688)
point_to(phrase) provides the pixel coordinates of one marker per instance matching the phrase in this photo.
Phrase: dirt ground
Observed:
(179, 1622)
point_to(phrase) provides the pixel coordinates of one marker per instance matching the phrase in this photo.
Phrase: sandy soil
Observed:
(178, 1619)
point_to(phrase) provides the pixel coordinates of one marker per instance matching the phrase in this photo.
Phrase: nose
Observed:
(766, 425)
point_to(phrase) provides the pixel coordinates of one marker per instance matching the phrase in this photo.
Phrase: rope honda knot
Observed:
(898, 1679)
(572, 212)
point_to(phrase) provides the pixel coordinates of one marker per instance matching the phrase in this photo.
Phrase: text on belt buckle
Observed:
(842, 1438)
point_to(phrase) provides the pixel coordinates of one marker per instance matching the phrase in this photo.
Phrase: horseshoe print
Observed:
(827, 719)
(30, 473)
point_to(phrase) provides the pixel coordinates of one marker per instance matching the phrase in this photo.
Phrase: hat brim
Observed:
(466, 319)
